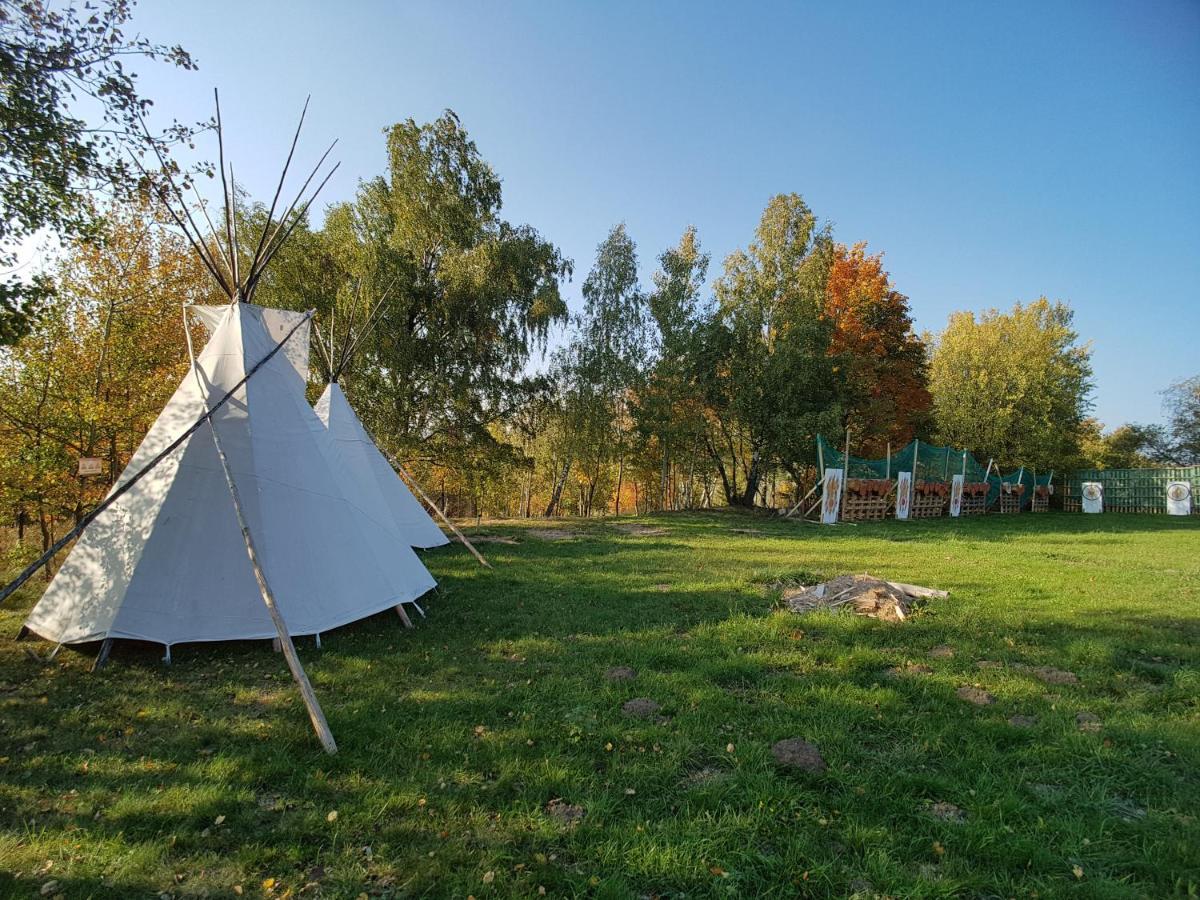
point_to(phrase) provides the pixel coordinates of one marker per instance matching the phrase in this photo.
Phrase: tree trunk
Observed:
(556, 494)
(691, 480)
(666, 462)
(720, 464)
(620, 478)
(753, 475)
(47, 535)
(527, 501)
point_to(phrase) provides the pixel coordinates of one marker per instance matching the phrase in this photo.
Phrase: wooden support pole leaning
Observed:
(102, 656)
(417, 487)
(315, 714)
(791, 512)
(888, 476)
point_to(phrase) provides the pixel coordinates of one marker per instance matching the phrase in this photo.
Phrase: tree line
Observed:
(702, 386)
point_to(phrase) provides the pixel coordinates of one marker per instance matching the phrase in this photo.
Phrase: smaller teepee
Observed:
(369, 479)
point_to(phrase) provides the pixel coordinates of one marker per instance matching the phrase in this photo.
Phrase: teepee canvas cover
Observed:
(368, 477)
(167, 563)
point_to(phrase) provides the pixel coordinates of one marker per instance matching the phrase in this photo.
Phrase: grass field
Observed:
(457, 738)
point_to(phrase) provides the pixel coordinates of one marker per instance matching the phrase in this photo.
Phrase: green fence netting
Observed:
(929, 463)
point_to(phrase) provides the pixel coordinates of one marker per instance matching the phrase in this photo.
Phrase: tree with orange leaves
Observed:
(883, 360)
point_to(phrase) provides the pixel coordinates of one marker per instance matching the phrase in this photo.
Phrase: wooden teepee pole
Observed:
(417, 487)
(315, 715)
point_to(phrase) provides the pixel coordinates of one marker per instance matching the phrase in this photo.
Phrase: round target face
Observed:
(1179, 492)
(1092, 491)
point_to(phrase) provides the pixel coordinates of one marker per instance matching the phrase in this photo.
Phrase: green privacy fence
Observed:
(1132, 490)
(929, 463)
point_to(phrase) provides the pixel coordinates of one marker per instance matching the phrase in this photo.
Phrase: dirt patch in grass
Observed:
(566, 813)
(797, 753)
(1087, 721)
(641, 708)
(977, 696)
(703, 778)
(1050, 675)
(637, 529)
(492, 539)
(553, 534)
(947, 812)
(620, 673)
(909, 669)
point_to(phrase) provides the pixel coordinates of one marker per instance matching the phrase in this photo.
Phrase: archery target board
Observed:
(904, 494)
(1179, 498)
(1093, 497)
(956, 494)
(831, 496)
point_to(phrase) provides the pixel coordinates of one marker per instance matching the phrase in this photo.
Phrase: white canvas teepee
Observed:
(369, 478)
(167, 563)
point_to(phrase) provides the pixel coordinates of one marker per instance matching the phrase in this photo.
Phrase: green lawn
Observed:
(204, 779)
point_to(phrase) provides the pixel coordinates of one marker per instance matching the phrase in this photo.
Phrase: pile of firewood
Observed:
(868, 488)
(975, 489)
(932, 489)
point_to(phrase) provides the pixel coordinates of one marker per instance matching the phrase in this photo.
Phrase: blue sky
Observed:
(993, 152)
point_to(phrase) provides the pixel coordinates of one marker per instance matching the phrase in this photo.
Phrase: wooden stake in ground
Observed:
(417, 487)
(315, 714)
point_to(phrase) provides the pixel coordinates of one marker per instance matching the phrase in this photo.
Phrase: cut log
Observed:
(915, 590)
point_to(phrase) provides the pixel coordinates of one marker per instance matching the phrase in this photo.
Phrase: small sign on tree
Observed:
(90, 465)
